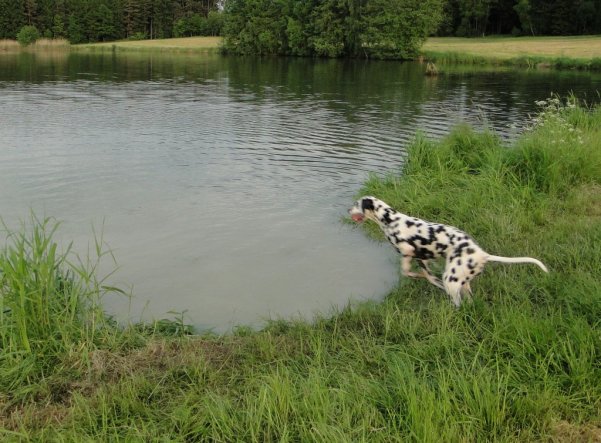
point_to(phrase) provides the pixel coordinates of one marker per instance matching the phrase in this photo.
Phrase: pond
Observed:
(220, 183)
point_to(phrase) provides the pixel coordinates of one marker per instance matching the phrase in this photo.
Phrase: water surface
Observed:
(219, 183)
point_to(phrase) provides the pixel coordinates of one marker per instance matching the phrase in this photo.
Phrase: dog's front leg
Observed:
(406, 267)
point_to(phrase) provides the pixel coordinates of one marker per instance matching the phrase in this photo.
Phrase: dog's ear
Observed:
(367, 204)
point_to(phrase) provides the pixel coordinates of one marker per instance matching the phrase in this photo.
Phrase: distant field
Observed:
(177, 44)
(586, 47)
(581, 52)
(498, 47)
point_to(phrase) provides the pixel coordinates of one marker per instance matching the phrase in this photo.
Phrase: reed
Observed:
(49, 307)
(9, 45)
(42, 44)
(179, 45)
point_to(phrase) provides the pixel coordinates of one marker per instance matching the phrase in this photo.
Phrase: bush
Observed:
(138, 36)
(28, 35)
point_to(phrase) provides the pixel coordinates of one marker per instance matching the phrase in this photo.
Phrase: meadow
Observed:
(520, 363)
(183, 44)
(581, 52)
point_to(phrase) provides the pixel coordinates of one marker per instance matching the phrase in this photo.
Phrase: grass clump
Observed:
(520, 363)
(49, 310)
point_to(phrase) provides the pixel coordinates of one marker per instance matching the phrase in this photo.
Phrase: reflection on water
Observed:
(221, 181)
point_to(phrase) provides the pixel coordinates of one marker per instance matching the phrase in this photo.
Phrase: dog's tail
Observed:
(518, 260)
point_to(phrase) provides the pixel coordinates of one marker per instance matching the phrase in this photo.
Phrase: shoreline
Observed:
(519, 363)
(563, 53)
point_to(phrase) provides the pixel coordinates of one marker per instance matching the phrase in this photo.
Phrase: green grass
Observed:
(578, 53)
(520, 363)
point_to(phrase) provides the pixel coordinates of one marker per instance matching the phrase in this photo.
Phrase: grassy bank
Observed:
(543, 52)
(521, 363)
(185, 44)
(530, 52)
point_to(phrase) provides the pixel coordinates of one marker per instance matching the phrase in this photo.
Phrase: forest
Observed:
(302, 27)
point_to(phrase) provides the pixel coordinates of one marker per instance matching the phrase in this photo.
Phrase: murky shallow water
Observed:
(220, 183)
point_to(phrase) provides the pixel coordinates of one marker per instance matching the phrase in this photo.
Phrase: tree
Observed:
(522, 8)
(101, 26)
(12, 18)
(58, 26)
(256, 26)
(75, 30)
(28, 35)
(329, 31)
(398, 28)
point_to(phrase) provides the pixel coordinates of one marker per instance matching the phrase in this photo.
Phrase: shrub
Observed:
(28, 35)
(138, 36)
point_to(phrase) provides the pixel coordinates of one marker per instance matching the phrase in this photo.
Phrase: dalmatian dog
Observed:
(424, 241)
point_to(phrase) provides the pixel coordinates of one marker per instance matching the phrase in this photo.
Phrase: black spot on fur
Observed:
(409, 223)
(441, 246)
(470, 250)
(367, 204)
(423, 254)
(459, 250)
(440, 229)
(452, 270)
(386, 217)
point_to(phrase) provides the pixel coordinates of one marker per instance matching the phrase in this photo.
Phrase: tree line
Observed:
(82, 21)
(469, 18)
(372, 28)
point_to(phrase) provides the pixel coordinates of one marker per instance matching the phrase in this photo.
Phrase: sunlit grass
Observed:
(582, 52)
(509, 47)
(184, 44)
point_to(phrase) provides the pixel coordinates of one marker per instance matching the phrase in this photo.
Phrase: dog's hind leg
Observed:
(406, 268)
(466, 291)
(427, 273)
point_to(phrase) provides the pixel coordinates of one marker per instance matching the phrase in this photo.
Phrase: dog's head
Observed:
(363, 208)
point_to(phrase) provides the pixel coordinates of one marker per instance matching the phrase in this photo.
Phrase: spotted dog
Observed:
(424, 241)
